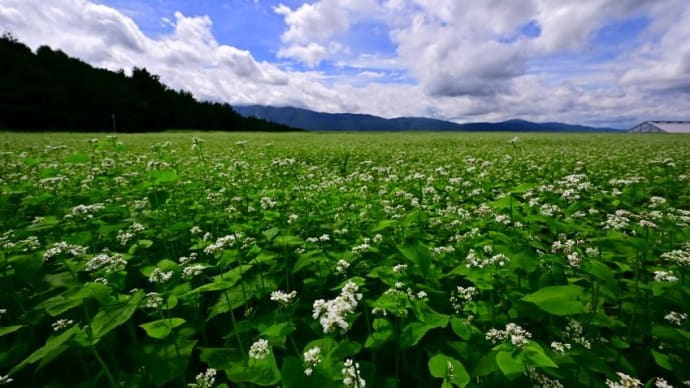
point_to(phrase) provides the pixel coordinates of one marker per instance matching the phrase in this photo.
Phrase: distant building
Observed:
(662, 127)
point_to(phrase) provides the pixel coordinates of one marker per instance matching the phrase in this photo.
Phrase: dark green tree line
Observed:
(49, 90)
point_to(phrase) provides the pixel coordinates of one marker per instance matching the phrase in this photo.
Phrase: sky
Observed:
(594, 62)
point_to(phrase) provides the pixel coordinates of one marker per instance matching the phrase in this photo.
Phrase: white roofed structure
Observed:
(662, 127)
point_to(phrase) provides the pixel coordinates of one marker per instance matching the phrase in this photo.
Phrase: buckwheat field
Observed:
(328, 260)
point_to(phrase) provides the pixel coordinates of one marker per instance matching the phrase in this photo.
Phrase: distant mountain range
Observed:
(317, 121)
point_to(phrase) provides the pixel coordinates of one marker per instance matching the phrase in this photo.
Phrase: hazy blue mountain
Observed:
(317, 121)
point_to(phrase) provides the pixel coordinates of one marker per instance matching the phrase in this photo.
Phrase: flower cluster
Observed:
(678, 256)
(676, 318)
(5, 379)
(283, 298)
(85, 211)
(462, 296)
(227, 241)
(125, 236)
(62, 323)
(109, 263)
(153, 300)
(518, 336)
(159, 276)
(342, 266)
(560, 347)
(574, 331)
(63, 248)
(542, 381)
(204, 379)
(332, 313)
(474, 261)
(192, 270)
(664, 276)
(624, 381)
(312, 358)
(259, 349)
(351, 375)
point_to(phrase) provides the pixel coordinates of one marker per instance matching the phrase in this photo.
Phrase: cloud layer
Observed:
(535, 59)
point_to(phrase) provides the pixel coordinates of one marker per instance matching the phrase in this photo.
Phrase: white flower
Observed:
(676, 318)
(342, 266)
(624, 381)
(153, 300)
(312, 358)
(360, 249)
(2, 312)
(399, 268)
(195, 230)
(192, 270)
(221, 243)
(110, 264)
(560, 347)
(124, 237)
(541, 380)
(351, 376)
(62, 324)
(62, 248)
(678, 256)
(664, 276)
(159, 276)
(574, 331)
(204, 379)
(662, 383)
(332, 313)
(5, 380)
(259, 349)
(283, 298)
(574, 260)
(515, 333)
(462, 296)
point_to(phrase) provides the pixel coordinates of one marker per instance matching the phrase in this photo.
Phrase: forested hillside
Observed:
(48, 90)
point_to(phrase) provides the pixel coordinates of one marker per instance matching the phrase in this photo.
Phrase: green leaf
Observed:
(52, 347)
(26, 267)
(161, 328)
(278, 330)
(9, 329)
(145, 243)
(448, 368)
(292, 375)
(168, 360)
(61, 303)
(535, 353)
(558, 300)
(418, 254)
(110, 317)
(77, 158)
(510, 365)
(164, 176)
(461, 327)
(344, 349)
(262, 372)
(383, 332)
(270, 234)
(412, 333)
(307, 259)
(662, 360)
(220, 358)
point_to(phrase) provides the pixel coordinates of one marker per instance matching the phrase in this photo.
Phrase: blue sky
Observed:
(598, 62)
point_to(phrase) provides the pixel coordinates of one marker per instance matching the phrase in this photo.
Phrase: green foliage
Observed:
(305, 260)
